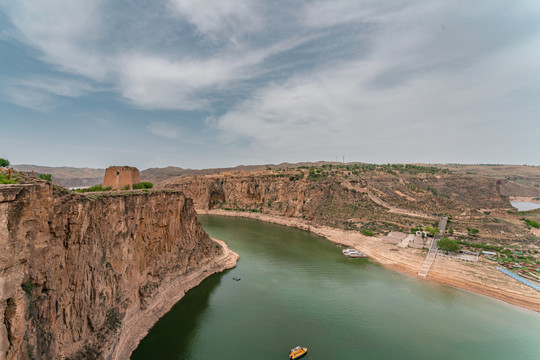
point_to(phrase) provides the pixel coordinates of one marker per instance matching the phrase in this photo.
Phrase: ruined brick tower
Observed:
(118, 177)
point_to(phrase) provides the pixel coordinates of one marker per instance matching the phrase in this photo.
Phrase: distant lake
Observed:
(525, 205)
(297, 288)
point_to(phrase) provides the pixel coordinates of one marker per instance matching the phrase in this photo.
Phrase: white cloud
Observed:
(163, 129)
(230, 18)
(64, 32)
(153, 82)
(409, 96)
(376, 72)
(74, 36)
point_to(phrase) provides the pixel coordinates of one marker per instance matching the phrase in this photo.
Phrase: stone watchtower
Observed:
(118, 177)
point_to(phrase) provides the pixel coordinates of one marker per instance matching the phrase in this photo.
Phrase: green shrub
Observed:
(4, 162)
(143, 185)
(5, 180)
(448, 245)
(367, 232)
(113, 321)
(482, 246)
(47, 177)
(433, 230)
(532, 223)
(28, 287)
(473, 231)
(94, 188)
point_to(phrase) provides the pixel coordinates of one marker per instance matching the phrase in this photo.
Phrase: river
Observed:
(525, 205)
(297, 288)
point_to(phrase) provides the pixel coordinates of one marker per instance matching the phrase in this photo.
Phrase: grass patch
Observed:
(94, 188)
(4, 180)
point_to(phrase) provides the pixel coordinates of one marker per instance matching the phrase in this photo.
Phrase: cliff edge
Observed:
(87, 276)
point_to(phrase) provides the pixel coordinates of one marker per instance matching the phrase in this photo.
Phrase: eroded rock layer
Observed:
(86, 277)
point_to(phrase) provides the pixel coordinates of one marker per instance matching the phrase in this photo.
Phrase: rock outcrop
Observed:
(87, 276)
(340, 194)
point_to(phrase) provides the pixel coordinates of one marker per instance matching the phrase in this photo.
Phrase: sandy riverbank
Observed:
(526, 199)
(480, 277)
(138, 322)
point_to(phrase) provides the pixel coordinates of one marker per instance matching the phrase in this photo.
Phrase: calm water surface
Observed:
(525, 205)
(298, 289)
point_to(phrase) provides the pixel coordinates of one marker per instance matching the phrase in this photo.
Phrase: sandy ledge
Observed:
(480, 277)
(527, 199)
(138, 322)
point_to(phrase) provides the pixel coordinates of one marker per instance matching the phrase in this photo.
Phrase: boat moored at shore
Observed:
(353, 253)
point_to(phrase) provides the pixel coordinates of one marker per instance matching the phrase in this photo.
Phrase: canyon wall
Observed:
(300, 193)
(85, 277)
(278, 195)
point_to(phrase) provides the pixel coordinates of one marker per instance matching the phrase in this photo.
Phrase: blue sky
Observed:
(200, 83)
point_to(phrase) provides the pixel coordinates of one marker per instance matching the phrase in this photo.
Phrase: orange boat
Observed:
(297, 352)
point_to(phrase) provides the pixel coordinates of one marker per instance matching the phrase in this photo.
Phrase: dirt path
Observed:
(397, 210)
(480, 277)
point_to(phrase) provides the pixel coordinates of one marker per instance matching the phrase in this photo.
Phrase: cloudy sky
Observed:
(203, 83)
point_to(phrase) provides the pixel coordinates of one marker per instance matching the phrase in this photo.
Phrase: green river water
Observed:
(297, 288)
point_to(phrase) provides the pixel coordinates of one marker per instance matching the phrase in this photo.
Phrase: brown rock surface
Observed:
(91, 274)
(371, 200)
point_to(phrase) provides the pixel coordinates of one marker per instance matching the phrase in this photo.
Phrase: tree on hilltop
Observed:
(4, 162)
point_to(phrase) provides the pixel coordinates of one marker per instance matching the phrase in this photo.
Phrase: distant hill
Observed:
(162, 175)
(78, 177)
(515, 180)
(66, 176)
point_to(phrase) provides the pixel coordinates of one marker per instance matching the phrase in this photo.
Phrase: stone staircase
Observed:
(432, 253)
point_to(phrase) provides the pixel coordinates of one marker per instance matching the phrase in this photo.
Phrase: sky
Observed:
(201, 83)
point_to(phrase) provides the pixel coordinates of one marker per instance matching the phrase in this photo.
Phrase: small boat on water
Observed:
(353, 253)
(297, 352)
(236, 278)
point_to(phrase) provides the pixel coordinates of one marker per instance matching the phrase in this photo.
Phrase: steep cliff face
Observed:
(278, 195)
(86, 277)
(313, 195)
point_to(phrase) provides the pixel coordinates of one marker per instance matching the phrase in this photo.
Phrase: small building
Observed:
(489, 253)
(118, 177)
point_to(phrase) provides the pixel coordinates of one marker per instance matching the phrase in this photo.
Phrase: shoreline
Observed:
(137, 323)
(480, 278)
(530, 199)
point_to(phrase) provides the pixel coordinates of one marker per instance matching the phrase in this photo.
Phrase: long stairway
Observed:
(432, 253)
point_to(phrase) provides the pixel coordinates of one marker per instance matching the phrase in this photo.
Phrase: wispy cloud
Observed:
(28, 98)
(65, 33)
(308, 78)
(39, 92)
(408, 91)
(226, 18)
(163, 129)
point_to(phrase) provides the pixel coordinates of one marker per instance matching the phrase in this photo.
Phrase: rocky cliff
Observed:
(84, 277)
(295, 190)
(371, 200)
